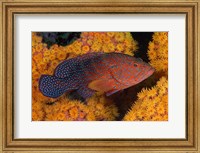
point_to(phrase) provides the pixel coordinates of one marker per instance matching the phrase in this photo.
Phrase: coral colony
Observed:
(121, 96)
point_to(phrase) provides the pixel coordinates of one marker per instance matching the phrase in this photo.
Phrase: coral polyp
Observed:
(101, 108)
(108, 42)
(152, 104)
(38, 113)
(158, 52)
(65, 109)
(98, 108)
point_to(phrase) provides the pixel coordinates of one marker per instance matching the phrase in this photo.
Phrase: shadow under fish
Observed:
(103, 72)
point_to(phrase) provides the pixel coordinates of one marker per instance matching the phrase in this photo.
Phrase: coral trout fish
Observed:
(103, 72)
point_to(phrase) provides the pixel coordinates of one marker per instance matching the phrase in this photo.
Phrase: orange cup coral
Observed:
(158, 52)
(38, 113)
(108, 42)
(97, 108)
(101, 108)
(152, 104)
(65, 109)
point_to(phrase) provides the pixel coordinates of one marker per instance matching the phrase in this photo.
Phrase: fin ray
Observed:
(85, 92)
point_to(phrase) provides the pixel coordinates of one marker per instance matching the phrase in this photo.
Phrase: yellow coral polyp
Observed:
(62, 110)
(52, 57)
(97, 108)
(85, 48)
(37, 57)
(111, 47)
(142, 94)
(158, 51)
(60, 117)
(120, 47)
(35, 75)
(38, 113)
(119, 36)
(102, 107)
(54, 64)
(106, 42)
(82, 114)
(105, 48)
(152, 55)
(74, 112)
(90, 42)
(111, 34)
(102, 35)
(152, 92)
(95, 47)
(152, 104)
(61, 55)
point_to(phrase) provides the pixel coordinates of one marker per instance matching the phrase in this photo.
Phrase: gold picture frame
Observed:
(9, 8)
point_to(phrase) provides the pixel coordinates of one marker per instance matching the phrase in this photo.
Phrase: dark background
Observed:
(143, 39)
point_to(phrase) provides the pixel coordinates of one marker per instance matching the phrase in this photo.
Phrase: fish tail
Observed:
(54, 87)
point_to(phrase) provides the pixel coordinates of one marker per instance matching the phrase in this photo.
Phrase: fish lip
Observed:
(153, 69)
(149, 72)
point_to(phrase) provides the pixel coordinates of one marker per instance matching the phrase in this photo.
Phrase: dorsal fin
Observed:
(64, 69)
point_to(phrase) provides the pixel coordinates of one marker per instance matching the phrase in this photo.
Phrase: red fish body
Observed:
(105, 72)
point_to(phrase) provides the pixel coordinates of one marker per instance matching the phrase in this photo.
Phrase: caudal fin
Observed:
(54, 87)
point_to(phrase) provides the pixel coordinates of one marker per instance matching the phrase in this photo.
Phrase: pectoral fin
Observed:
(102, 85)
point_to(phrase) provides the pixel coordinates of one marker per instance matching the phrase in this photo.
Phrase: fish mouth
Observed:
(148, 73)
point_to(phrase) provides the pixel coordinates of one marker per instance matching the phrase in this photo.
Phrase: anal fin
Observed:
(85, 92)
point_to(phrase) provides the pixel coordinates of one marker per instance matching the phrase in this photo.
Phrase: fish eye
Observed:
(135, 65)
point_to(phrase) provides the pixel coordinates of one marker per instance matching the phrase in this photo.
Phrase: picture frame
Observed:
(10, 8)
